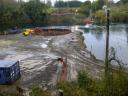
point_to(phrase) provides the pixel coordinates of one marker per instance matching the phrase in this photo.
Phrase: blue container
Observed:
(9, 71)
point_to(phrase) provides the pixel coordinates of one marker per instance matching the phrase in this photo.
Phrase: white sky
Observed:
(70, 0)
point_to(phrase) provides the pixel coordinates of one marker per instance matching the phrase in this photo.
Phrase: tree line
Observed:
(20, 14)
(94, 10)
(70, 4)
(119, 11)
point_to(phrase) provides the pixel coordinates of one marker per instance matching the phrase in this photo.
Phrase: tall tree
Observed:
(35, 11)
(124, 1)
(68, 4)
(86, 7)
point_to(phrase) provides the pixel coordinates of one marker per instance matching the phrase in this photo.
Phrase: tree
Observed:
(35, 11)
(100, 17)
(49, 3)
(7, 7)
(70, 4)
(124, 1)
(85, 8)
(13, 13)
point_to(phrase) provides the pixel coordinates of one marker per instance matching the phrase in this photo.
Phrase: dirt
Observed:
(50, 31)
(38, 57)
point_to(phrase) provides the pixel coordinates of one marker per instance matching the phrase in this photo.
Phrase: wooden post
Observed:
(107, 46)
(107, 65)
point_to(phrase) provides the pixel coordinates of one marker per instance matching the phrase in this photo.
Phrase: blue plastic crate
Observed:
(9, 71)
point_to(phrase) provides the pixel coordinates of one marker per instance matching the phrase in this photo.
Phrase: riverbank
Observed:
(38, 57)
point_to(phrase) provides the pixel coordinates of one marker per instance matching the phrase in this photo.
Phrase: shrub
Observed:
(36, 91)
(71, 89)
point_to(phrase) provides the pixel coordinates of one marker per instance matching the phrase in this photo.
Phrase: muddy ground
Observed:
(38, 57)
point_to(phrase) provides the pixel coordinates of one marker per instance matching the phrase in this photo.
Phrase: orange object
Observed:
(64, 69)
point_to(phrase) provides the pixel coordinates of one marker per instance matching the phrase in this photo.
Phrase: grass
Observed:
(116, 85)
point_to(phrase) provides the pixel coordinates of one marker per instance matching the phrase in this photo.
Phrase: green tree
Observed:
(85, 8)
(124, 1)
(7, 8)
(100, 17)
(36, 12)
(70, 4)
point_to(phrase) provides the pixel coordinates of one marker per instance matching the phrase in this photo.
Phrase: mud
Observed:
(50, 31)
(38, 57)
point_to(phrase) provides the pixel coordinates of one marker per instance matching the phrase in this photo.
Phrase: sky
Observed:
(72, 0)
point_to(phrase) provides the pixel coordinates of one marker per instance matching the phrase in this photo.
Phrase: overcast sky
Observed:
(70, 0)
(86, 0)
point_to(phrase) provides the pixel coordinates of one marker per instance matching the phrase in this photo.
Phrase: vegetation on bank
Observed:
(86, 86)
(94, 10)
(113, 85)
(15, 14)
(20, 14)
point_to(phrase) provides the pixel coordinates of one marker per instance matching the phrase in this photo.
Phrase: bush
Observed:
(83, 80)
(36, 91)
(115, 86)
(71, 89)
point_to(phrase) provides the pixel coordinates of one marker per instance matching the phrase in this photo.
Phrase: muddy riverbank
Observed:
(38, 57)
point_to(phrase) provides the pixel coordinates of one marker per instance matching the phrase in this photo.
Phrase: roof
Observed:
(6, 63)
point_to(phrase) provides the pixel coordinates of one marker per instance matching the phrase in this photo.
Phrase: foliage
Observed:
(35, 11)
(83, 80)
(14, 14)
(6, 13)
(71, 89)
(36, 91)
(86, 8)
(116, 85)
(123, 1)
(100, 17)
(70, 4)
(120, 14)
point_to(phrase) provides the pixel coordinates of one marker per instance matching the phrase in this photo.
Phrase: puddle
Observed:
(43, 45)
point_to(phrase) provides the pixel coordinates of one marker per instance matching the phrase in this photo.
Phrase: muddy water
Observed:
(38, 57)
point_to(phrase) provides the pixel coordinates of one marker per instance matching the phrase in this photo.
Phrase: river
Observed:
(95, 41)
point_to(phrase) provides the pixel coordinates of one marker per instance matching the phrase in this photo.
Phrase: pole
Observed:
(107, 75)
(107, 46)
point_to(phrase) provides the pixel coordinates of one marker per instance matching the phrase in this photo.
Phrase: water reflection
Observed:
(117, 28)
(126, 29)
(98, 33)
(95, 41)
